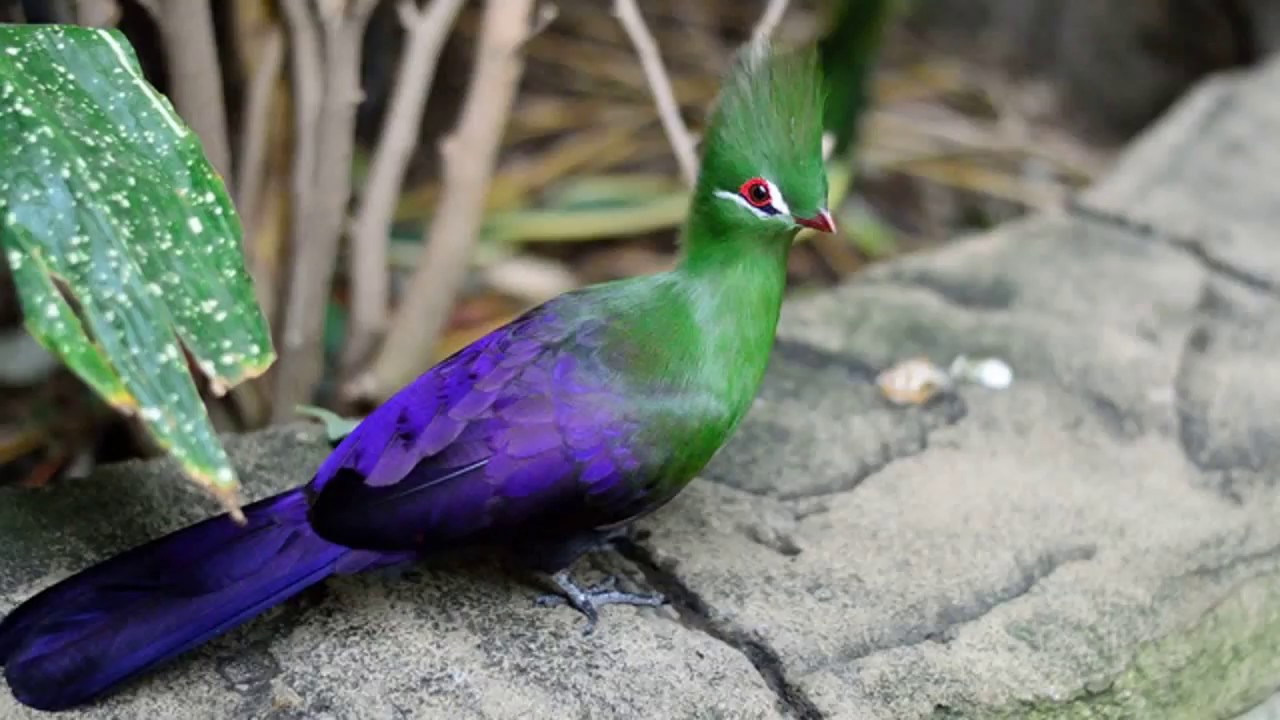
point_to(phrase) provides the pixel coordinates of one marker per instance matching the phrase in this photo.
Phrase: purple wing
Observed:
(520, 427)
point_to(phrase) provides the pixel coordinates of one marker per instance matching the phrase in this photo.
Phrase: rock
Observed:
(1001, 551)
(447, 644)
(1269, 710)
(1098, 540)
(1185, 180)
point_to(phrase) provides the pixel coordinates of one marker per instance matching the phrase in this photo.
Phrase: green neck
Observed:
(696, 340)
(707, 326)
(734, 279)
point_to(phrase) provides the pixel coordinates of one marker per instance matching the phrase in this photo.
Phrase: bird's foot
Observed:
(588, 600)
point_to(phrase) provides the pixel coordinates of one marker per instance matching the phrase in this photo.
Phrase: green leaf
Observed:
(336, 427)
(107, 201)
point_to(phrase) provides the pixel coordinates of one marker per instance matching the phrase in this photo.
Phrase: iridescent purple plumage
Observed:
(522, 436)
(520, 428)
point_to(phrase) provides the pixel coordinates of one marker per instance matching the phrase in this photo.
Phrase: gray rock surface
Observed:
(1100, 540)
(1202, 180)
(1269, 710)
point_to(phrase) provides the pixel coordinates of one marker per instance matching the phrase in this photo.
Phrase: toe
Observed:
(589, 626)
(549, 601)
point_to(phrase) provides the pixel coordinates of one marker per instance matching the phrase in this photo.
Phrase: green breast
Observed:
(692, 347)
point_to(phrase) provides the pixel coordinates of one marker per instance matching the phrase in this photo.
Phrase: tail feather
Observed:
(96, 629)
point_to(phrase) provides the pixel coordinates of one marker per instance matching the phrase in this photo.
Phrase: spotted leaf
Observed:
(124, 245)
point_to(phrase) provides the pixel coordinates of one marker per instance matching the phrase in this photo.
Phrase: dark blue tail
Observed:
(100, 627)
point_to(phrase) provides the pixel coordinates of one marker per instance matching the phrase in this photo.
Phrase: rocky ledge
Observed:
(1097, 541)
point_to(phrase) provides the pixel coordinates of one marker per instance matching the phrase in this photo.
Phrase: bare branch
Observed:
(470, 154)
(308, 71)
(660, 84)
(97, 13)
(770, 20)
(253, 134)
(330, 79)
(196, 74)
(426, 31)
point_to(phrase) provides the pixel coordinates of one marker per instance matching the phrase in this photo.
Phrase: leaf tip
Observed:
(225, 491)
(123, 401)
(229, 499)
(217, 386)
(258, 368)
(221, 384)
(222, 485)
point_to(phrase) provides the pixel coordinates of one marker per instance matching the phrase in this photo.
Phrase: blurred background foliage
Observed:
(947, 116)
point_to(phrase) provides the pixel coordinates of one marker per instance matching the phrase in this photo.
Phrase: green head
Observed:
(762, 176)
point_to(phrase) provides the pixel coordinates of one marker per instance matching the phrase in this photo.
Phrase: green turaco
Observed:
(540, 440)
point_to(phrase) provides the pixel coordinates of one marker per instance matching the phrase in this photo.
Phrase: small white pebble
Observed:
(992, 373)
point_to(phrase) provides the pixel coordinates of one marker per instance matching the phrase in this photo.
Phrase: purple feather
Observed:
(98, 628)
(519, 428)
(522, 410)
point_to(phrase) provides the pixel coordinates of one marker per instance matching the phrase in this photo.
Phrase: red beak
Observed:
(822, 222)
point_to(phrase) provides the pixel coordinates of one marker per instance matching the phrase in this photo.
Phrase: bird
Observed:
(545, 438)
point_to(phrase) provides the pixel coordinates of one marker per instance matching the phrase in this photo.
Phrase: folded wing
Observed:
(522, 428)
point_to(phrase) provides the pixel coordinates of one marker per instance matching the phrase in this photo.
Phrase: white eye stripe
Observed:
(739, 199)
(779, 203)
(775, 199)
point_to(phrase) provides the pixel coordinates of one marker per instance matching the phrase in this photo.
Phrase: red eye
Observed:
(756, 192)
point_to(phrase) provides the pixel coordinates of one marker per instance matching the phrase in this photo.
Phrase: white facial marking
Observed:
(742, 201)
(775, 199)
(779, 203)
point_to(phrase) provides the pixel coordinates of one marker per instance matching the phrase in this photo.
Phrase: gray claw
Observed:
(588, 601)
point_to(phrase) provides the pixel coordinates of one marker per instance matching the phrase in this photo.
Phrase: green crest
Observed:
(767, 122)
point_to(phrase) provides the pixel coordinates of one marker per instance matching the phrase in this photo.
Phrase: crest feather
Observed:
(770, 109)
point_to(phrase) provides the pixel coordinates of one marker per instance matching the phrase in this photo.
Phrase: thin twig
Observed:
(660, 85)
(307, 75)
(322, 194)
(196, 74)
(97, 13)
(251, 166)
(470, 154)
(252, 157)
(770, 20)
(426, 31)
